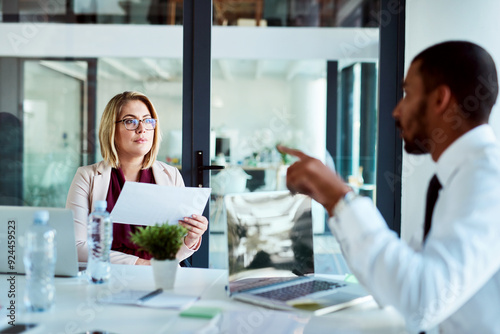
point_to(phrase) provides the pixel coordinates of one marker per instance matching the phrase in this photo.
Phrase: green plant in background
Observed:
(161, 241)
(285, 158)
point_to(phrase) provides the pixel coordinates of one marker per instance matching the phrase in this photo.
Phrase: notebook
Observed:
(14, 222)
(271, 258)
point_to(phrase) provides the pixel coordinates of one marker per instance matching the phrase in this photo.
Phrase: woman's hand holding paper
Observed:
(196, 226)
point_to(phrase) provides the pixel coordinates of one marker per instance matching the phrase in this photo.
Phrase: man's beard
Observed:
(417, 144)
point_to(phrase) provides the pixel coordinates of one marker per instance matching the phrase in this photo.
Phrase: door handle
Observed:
(201, 168)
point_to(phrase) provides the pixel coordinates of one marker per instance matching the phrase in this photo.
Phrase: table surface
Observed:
(76, 309)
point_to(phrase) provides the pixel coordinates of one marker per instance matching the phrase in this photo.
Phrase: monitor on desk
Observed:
(223, 147)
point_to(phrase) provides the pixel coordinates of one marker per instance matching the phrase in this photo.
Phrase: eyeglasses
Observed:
(133, 123)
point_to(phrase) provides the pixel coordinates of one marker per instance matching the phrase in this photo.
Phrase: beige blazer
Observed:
(91, 184)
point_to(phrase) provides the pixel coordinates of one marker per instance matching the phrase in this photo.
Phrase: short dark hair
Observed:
(468, 70)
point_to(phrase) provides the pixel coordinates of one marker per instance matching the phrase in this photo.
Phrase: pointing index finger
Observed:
(291, 151)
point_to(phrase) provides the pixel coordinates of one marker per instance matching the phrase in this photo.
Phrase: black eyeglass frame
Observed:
(138, 122)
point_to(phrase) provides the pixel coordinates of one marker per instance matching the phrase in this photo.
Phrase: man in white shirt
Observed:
(453, 280)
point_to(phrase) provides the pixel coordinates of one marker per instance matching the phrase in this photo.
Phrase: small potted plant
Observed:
(162, 242)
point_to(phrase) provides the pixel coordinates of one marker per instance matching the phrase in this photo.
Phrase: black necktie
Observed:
(432, 196)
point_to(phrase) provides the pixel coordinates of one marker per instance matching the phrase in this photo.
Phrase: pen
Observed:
(149, 296)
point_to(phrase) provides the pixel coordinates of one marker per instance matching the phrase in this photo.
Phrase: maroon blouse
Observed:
(121, 232)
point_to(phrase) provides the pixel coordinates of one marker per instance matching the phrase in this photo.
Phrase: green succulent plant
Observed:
(161, 241)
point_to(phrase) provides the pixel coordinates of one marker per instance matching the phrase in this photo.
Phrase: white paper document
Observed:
(148, 204)
(164, 299)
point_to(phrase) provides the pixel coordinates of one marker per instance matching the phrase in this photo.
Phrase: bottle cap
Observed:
(41, 217)
(101, 205)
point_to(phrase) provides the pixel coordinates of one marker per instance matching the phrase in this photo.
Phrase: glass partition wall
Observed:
(257, 104)
(161, 80)
(269, 85)
(275, 91)
(53, 127)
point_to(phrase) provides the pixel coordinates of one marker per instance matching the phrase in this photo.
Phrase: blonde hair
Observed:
(108, 126)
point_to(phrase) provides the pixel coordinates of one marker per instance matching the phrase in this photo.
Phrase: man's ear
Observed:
(442, 98)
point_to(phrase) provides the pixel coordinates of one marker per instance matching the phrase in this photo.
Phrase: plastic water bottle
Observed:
(40, 262)
(99, 239)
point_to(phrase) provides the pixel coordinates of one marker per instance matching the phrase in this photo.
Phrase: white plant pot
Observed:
(164, 272)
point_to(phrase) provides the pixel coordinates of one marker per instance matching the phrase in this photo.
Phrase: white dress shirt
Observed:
(454, 280)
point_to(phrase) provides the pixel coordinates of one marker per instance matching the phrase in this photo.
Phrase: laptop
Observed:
(15, 221)
(271, 258)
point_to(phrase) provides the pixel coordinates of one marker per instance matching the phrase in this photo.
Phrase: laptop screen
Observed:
(269, 235)
(15, 221)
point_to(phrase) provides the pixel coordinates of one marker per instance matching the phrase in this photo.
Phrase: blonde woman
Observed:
(129, 135)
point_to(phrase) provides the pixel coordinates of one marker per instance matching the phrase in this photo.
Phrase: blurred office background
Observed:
(282, 72)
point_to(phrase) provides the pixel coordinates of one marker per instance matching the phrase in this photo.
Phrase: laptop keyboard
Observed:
(252, 283)
(299, 290)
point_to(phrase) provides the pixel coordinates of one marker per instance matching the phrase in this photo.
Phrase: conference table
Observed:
(78, 309)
